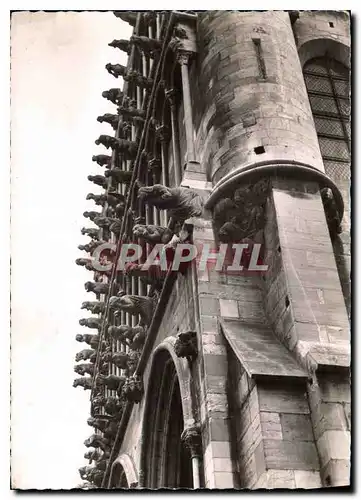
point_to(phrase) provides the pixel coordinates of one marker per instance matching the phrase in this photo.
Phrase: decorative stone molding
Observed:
(86, 354)
(134, 304)
(85, 382)
(121, 44)
(101, 288)
(180, 202)
(113, 120)
(192, 439)
(116, 69)
(133, 389)
(127, 16)
(113, 95)
(332, 214)
(241, 214)
(119, 175)
(92, 232)
(96, 307)
(186, 345)
(152, 233)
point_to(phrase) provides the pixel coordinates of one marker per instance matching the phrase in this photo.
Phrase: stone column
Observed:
(191, 438)
(183, 58)
(171, 96)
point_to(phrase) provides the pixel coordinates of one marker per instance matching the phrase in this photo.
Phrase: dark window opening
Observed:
(259, 150)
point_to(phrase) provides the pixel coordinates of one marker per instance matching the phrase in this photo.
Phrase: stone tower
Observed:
(232, 137)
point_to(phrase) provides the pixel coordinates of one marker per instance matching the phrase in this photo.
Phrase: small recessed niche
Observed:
(259, 150)
(331, 25)
(287, 301)
(279, 249)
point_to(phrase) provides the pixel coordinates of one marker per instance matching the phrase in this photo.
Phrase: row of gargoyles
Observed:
(133, 336)
(112, 406)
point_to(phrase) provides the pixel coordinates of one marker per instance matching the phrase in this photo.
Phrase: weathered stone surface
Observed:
(290, 454)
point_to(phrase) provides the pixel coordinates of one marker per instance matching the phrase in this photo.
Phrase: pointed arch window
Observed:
(327, 83)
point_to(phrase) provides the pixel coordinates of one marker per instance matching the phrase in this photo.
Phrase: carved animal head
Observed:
(79, 369)
(85, 305)
(89, 286)
(157, 194)
(79, 337)
(82, 322)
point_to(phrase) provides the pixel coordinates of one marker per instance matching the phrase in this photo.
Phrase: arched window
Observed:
(327, 83)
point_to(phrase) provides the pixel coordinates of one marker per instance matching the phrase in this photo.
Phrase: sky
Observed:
(57, 77)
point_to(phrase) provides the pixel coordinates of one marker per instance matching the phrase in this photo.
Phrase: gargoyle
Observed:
(116, 227)
(132, 363)
(107, 141)
(96, 307)
(102, 160)
(134, 304)
(88, 368)
(119, 359)
(113, 95)
(100, 180)
(112, 406)
(127, 16)
(123, 45)
(91, 322)
(133, 389)
(116, 69)
(85, 472)
(86, 354)
(153, 276)
(119, 175)
(92, 340)
(112, 382)
(99, 199)
(91, 215)
(96, 441)
(131, 112)
(109, 429)
(101, 288)
(97, 423)
(186, 345)
(95, 455)
(140, 81)
(90, 247)
(180, 202)
(331, 211)
(92, 232)
(84, 262)
(85, 382)
(104, 222)
(152, 233)
(113, 120)
(149, 46)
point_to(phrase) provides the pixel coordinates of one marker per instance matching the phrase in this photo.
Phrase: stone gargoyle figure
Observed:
(85, 472)
(116, 227)
(112, 406)
(102, 160)
(95, 323)
(153, 276)
(96, 307)
(92, 232)
(116, 69)
(92, 455)
(91, 214)
(99, 180)
(112, 382)
(109, 429)
(91, 246)
(87, 263)
(119, 359)
(101, 288)
(119, 175)
(107, 141)
(85, 382)
(113, 120)
(113, 95)
(86, 354)
(104, 222)
(134, 304)
(122, 44)
(131, 112)
(127, 16)
(180, 202)
(88, 368)
(149, 46)
(97, 441)
(152, 233)
(92, 340)
(140, 81)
